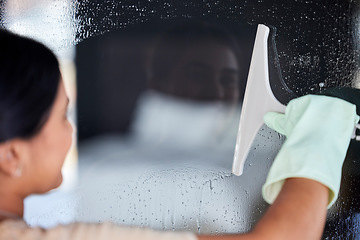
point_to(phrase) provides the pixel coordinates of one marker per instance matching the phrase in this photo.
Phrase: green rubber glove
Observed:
(318, 131)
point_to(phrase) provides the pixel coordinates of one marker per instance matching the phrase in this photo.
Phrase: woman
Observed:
(35, 136)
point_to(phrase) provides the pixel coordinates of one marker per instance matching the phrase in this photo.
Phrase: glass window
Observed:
(158, 95)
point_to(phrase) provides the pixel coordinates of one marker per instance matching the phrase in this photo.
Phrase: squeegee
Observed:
(258, 100)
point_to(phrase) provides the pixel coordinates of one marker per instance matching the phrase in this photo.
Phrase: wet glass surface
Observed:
(158, 151)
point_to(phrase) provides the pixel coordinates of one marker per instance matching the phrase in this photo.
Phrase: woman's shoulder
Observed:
(18, 229)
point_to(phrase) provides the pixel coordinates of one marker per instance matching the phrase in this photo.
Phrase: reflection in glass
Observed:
(173, 167)
(196, 61)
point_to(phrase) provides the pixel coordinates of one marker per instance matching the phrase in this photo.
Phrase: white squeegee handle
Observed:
(258, 100)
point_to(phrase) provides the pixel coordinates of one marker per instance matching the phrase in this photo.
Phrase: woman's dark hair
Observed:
(29, 79)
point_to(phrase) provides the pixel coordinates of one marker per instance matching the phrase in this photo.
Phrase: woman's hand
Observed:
(305, 176)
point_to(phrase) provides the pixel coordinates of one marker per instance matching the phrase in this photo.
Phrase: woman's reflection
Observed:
(182, 139)
(198, 62)
(194, 78)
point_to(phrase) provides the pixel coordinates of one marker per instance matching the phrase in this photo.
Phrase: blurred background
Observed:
(156, 90)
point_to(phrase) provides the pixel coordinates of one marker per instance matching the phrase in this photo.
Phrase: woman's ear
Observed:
(12, 154)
